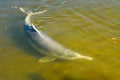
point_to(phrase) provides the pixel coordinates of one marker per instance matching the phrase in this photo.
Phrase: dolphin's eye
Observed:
(68, 53)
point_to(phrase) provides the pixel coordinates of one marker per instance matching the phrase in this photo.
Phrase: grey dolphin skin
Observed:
(47, 45)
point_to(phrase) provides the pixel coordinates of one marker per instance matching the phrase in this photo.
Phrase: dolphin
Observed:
(46, 45)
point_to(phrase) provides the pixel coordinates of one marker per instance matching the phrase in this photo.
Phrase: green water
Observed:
(88, 27)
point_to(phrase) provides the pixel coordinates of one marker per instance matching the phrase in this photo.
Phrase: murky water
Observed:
(90, 27)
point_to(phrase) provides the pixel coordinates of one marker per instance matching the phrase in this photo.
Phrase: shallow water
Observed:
(88, 27)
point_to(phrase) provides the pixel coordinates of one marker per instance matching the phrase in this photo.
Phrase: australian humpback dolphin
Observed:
(47, 45)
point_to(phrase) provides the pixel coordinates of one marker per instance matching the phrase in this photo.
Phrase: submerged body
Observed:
(46, 45)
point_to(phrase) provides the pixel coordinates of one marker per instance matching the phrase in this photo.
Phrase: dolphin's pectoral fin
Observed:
(46, 59)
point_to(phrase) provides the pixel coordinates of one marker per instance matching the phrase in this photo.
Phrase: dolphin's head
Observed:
(74, 55)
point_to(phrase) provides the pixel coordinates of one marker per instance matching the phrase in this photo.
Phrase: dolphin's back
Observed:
(40, 39)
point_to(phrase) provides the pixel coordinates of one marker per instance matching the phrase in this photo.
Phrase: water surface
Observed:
(90, 27)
